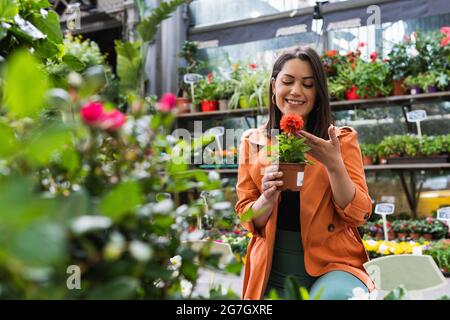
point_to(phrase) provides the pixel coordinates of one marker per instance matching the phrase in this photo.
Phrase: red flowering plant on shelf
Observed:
(290, 152)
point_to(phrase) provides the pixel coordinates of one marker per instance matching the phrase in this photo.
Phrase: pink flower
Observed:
(210, 77)
(112, 120)
(361, 45)
(92, 112)
(373, 56)
(236, 231)
(445, 41)
(94, 115)
(167, 102)
(253, 66)
(446, 31)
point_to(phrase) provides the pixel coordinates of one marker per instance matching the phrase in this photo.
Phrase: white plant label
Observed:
(384, 208)
(443, 213)
(416, 115)
(191, 78)
(300, 176)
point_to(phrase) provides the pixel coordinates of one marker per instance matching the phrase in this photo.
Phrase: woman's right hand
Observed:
(271, 183)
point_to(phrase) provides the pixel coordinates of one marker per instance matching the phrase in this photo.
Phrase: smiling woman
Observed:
(309, 234)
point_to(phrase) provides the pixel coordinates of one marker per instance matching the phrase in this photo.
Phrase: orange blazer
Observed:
(329, 235)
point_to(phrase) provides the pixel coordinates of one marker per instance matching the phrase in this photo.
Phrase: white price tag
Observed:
(416, 115)
(384, 208)
(191, 78)
(443, 213)
(300, 178)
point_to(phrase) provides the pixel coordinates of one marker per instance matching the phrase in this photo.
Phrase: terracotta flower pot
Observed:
(428, 236)
(367, 161)
(391, 235)
(182, 105)
(398, 89)
(292, 176)
(414, 236)
(401, 235)
(209, 105)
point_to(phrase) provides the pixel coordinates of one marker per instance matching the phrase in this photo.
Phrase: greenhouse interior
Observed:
(225, 150)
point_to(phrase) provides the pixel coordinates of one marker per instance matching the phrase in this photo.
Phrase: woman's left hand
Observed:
(328, 152)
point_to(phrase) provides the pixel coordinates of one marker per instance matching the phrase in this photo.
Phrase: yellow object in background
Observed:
(430, 201)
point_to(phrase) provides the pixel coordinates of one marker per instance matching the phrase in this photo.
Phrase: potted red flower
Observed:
(291, 152)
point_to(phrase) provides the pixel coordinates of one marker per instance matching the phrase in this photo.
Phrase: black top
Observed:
(289, 211)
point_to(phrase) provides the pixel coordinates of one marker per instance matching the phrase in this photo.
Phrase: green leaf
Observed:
(129, 65)
(3, 32)
(9, 143)
(291, 289)
(94, 81)
(20, 213)
(120, 288)
(149, 25)
(25, 85)
(396, 294)
(70, 160)
(121, 200)
(42, 244)
(8, 9)
(49, 25)
(47, 49)
(234, 268)
(73, 62)
(46, 142)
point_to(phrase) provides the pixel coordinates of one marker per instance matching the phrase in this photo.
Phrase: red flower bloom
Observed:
(94, 115)
(445, 41)
(236, 231)
(291, 123)
(113, 120)
(92, 112)
(331, 53)
(167, 102)
(373, 56)
(253, 66)
(361, 45)
(210, 77)
(446, 31)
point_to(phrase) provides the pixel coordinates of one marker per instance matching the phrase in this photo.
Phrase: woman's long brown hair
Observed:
(320, 118)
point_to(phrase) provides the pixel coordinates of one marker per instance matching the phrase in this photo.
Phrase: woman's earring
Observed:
(273, 97)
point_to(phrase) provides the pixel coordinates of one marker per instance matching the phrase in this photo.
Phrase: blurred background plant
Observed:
(81, 182)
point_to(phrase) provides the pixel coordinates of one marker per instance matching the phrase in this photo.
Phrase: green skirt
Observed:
(288, 259)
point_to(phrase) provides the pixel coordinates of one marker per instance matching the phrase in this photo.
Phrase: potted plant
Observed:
(428, 81)
(427, 228)
(401, 228)
(206, 93)
(402, 62)
(413, 84)
(440, 252)
(415, 227)
(371, 79)
(290, 152)
(251, 87)
(224, 91)
(368, 152)
(336, 89)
